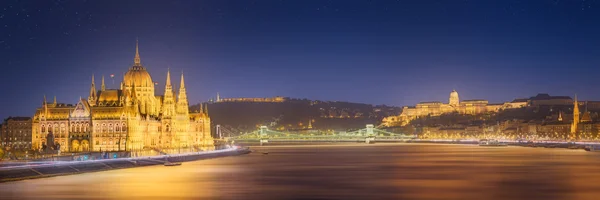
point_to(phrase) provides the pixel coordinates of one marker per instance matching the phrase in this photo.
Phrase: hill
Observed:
(295, 114)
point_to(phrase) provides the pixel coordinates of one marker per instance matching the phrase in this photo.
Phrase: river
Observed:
(360, 171)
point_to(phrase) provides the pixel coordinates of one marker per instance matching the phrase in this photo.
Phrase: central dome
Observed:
(453, 100)
(139, 76)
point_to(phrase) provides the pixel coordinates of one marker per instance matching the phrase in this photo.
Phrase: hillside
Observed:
(294, 114)
(532, 114)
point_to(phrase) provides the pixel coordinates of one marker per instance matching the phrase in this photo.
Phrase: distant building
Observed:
(436, 108)
(546, 99)
(276, 99)
(16, 133)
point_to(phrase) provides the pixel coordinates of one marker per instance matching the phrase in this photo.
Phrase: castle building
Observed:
(436, 108)
(129, 118)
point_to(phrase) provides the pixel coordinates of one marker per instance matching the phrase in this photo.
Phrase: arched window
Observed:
(104, 128)
(123, 127)
(110, 128)
(117, 128)
(43, 128)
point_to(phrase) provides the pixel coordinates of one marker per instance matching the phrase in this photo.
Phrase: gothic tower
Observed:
(92, 98)
(182, 102)
(575, 119)
(169, 99)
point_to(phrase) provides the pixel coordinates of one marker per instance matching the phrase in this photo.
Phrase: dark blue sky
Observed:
(378, 52)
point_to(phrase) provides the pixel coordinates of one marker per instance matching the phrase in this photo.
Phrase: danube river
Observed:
(380, 171)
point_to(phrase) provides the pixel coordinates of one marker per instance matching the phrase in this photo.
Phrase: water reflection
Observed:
(381, 171)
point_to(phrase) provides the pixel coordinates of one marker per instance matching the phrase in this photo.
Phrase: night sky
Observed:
(377, 52)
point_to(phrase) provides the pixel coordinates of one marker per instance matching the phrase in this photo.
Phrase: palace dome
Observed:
(453, 100)
(139, 76)
(454, 93)
(137, 73)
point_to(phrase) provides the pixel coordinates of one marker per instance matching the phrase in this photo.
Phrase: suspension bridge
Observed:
(369, 134)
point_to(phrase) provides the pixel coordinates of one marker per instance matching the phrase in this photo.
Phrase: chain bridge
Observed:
(369, 134)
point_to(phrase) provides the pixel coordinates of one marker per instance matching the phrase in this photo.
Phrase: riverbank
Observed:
(33, 170)
(539, 144)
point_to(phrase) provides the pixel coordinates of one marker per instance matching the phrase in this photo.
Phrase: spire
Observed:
(182, 85)
(576, 110)
(54, 100)
(103, 87)
(45, 102)
(560, 116)
(137, 60)
(575, 119)
(92, 97)
(45, 107)
(168, 77)
(218, 97)
(168, 100)
(206, 108)
(182, 102)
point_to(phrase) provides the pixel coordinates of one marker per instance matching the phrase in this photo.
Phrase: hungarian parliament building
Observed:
(126, 119)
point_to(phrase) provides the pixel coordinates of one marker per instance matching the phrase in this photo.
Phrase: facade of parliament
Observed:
(126, 119)
(454, 104)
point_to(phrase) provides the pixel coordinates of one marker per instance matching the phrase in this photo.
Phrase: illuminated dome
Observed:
(139, 76)
(453, 100)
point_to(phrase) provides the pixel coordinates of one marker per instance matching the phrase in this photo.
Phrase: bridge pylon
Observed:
(369, 134)
(263, 136)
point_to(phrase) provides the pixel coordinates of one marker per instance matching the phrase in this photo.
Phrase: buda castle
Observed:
(125, 119)
(454, 104)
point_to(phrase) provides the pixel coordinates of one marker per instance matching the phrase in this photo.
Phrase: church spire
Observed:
(575, 119)
(54, 100)
(45, 102)
(103, 87)
(137, 61)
